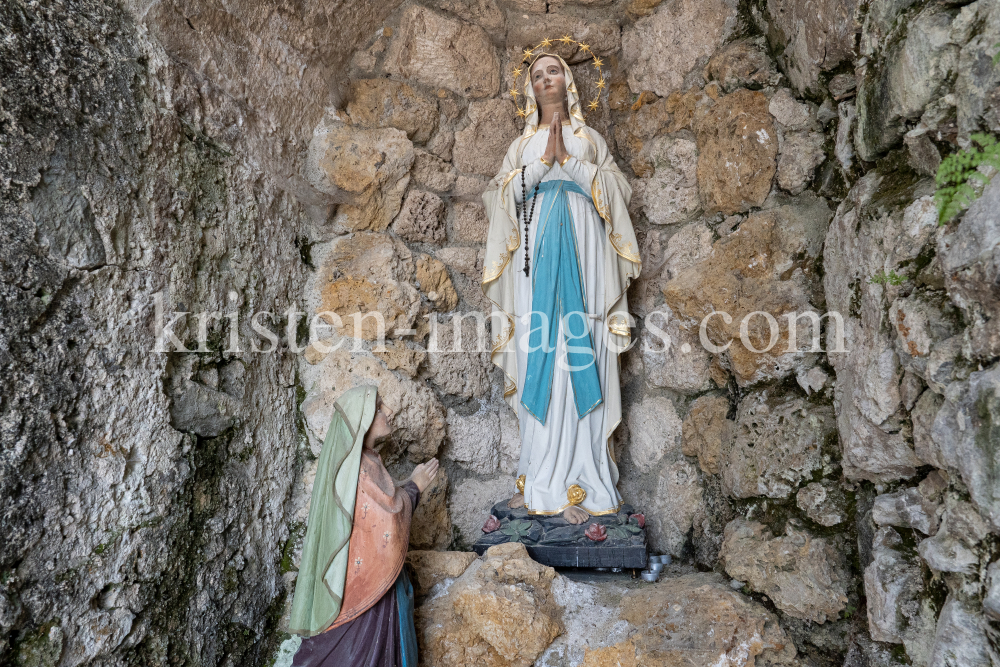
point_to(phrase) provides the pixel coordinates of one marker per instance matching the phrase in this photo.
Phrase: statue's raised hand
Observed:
(424, 474)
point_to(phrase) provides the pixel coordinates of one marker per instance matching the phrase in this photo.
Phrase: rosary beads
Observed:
(528, 217)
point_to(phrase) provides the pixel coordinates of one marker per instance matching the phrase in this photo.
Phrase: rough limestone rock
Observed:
(791, 114)
(804, 576)
(679, 34)
(844, 146)
(898, 610)
(812, 380)
(976, 76)
(510, 440)
(482, 145)
(869, 235)
(456, 363)
(396, 356)
(671, 193)
(432, 278)
(442, 52)
(465, 265)
(633, 137)
(590, 618)
(470, 188)
(923, 414)
(482, 12)
(672, 354)
(966, 436)
(899, 87)
(777, 444)
(501, 612)
(906, 508)
(813, 37)
(743, 63)
(655, 432)
(737, 152)
(463, 260)
(953, 547)
(709, 624)
(366, 170)
(960, 637)
(474, 440)
(878, 23)
(664, 255)
(670, 500)
(798, 156)
(991, 601)
(432, 172)
(421, 219)
(430, 527)
(967, 258)
(601, 34)
(201, 410)
(470, 223)
(137, 172)
(281, 65)
(418, 422)
(765, 265)
(386, 103)
(709, 523)
(441, 145)
(923, 322)
(910, 388)
(706, 431)
(471, 500)
(824, 504)
(367, 273)
(437, 567)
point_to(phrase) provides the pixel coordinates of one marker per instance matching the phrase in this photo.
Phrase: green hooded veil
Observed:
(319, 589)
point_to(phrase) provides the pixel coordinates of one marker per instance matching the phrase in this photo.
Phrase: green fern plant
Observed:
(954, 191)
(883, 278)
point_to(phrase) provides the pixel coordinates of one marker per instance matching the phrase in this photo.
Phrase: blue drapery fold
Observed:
(407, 629)
(556, 270)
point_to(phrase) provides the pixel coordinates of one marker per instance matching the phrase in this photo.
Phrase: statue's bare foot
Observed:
(516, 502)
(575, 515)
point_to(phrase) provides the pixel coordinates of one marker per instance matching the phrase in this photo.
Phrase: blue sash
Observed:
(557, 293)
(407, 630)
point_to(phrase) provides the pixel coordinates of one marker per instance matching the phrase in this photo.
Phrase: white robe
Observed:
(566, 450)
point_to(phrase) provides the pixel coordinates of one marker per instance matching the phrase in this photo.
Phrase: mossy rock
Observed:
(42, 648)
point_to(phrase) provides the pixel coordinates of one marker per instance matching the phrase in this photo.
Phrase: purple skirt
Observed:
(370, 640)
(373, 639)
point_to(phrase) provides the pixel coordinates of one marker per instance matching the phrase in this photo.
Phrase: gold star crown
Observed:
(545, 43)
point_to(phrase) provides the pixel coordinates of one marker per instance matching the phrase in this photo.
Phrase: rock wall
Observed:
(331, 156)
(145, 498)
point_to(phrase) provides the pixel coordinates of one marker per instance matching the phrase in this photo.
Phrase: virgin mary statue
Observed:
(560, 254)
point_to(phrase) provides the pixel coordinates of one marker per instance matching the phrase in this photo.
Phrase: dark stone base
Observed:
(556, 542)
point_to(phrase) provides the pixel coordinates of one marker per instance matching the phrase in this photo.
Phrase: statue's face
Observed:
(381, 429)
(548, 81)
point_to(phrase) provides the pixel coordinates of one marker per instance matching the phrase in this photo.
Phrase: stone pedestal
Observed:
(615, 540)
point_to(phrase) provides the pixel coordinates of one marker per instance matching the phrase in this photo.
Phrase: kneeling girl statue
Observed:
(353, 603)
(560, 255)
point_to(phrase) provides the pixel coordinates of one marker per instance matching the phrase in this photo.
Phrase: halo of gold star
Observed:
(526, 55)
